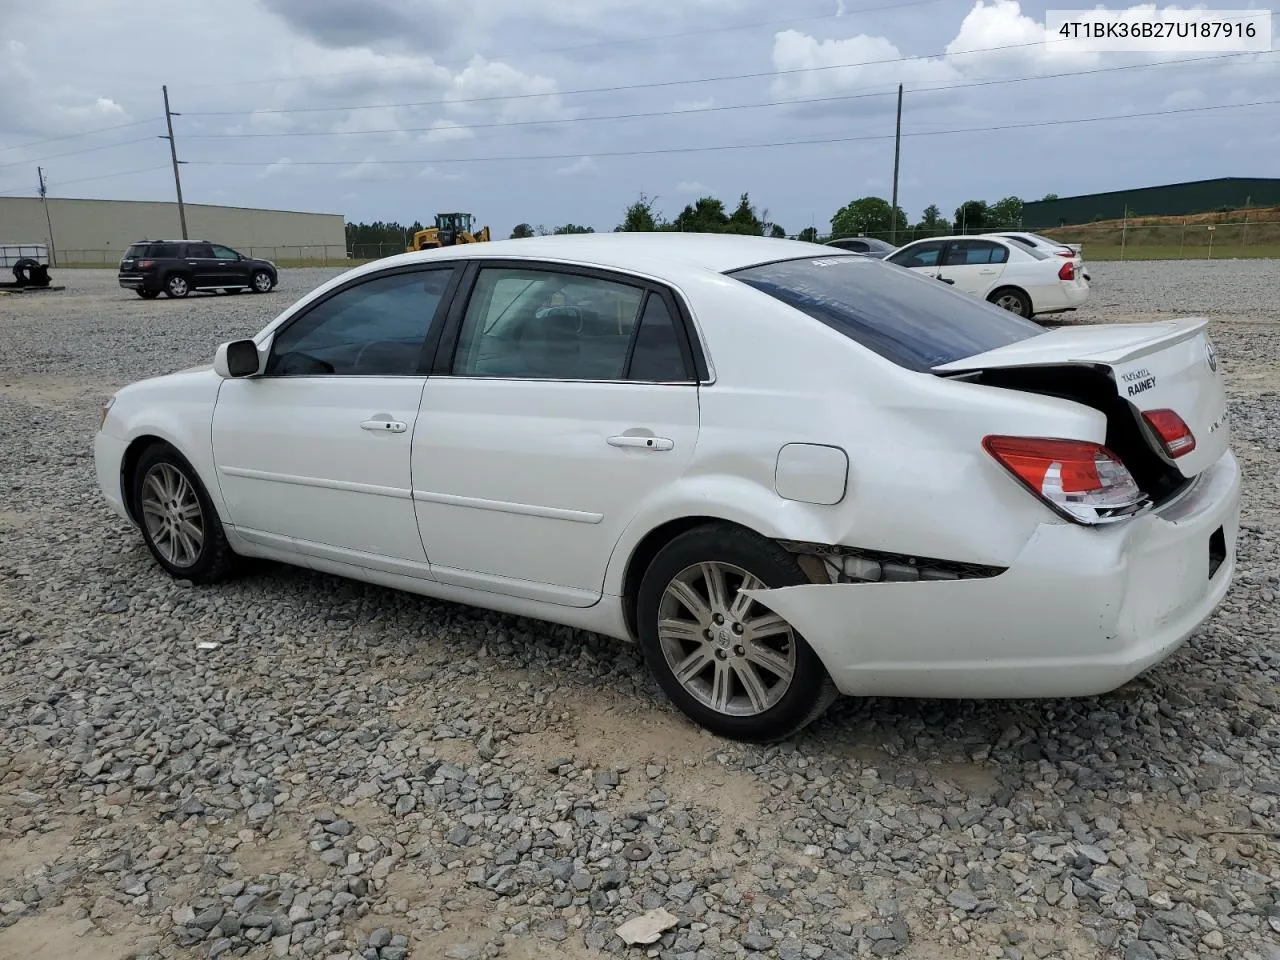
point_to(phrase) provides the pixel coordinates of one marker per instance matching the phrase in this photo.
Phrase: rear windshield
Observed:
(915, 321)
(1029, 247)
(137, 250)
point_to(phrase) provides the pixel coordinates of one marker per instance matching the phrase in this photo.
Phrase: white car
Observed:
(787, 471)
(1009, 274)
(1070, 251)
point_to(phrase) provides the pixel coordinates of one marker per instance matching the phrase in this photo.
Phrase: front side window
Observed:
(921, 255)
(907, 318)
(225, 253)
(543, 324)
(376, 328)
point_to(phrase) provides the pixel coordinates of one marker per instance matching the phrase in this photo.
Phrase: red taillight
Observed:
(1172, 430)
(1069, 254)
(146, 263)
(1082, 480)
(1067, 271)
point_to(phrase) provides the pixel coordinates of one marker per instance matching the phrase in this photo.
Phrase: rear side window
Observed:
(164, 251)
(910, 319)
(656, 354)
(1028, 247)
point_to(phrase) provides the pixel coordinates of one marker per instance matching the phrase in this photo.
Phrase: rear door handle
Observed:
(645, 443)
(946, 280)
(384, 426)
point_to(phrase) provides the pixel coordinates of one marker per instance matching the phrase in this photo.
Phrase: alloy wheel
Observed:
(730, 653)
(172, 513)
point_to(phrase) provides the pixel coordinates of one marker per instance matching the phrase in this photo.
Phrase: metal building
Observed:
(99, 231)
(1170, 200)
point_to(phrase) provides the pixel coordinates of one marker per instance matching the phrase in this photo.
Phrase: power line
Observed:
(76, 136)
(614, 89)
(736, 146)
(76, 153)
(101, 176)
(717, 109)
(790, 21)
(650, 85)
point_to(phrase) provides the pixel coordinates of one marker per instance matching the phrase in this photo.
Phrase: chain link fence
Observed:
(1166, 238)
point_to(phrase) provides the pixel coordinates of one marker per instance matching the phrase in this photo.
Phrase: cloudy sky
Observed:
(565, 110)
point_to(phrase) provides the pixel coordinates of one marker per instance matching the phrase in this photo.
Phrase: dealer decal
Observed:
(1138, 381)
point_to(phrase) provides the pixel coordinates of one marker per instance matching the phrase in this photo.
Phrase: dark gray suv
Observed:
(177, 267)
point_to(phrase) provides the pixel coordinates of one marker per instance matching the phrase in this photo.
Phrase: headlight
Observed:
(102, 414)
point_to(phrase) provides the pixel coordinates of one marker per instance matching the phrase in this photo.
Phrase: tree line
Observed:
(870, 216)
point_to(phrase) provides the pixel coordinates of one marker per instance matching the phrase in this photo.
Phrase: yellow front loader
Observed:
(449, 229)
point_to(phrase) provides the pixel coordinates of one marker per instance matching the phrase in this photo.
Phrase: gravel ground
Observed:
(356, 773)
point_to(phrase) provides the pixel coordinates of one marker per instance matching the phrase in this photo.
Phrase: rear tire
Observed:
(1012, 299)
(726, 661)
(176, 286)
(179, 524)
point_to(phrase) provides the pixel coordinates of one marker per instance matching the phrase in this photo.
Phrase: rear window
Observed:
(1029, 247)
(135, 251)
(915, 321)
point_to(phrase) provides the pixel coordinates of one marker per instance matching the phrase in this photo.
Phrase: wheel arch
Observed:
(129, 464)
(1014, 288)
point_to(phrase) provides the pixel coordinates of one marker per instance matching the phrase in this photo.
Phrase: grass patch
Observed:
(1141, 251)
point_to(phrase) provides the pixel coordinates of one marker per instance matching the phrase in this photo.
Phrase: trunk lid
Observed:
(1168, 364)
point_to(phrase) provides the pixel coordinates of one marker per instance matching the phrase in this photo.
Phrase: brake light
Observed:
(1069, 254)
(1172, 430)
(1081, 480)
(146, 263)
(1067, 271)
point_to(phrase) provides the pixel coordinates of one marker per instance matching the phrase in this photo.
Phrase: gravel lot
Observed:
(358, 773)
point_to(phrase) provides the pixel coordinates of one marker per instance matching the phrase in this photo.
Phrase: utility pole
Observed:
(897, 147)
(53, 251)
(173, 153)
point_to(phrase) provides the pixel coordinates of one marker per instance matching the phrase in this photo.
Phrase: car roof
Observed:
(712, 251)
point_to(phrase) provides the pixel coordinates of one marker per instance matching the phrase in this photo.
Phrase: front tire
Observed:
(179, 523)
(148, 294)
(176, 286)
(1012, 299)
(261, 282)
(729, 663)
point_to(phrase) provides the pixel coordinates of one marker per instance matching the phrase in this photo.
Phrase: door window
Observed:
(199, 251)
(225, 253)
(377, 328)
(921, 255)
(657, 354)
(543, 324)
(968, 253)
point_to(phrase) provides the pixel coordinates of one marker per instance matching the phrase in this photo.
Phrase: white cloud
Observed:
(694, 187)
(706, 103)
(498, 89)
(366, 169)
(281, 166)
(445, 131)
(579, 167)
(435, 173)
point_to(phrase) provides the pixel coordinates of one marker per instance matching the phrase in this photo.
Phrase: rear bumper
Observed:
(137, 281)
(1067, 295)
(1080, 612)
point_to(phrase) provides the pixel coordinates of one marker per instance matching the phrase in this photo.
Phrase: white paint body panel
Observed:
(517, 488)
(507, 495)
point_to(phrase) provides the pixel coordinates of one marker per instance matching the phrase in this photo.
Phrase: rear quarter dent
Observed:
(1080, 612)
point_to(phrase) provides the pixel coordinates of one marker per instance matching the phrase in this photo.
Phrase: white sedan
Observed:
(1070, 251)
(787, 471)
(1021, 279)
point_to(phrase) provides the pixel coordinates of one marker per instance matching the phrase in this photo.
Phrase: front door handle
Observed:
(384, 426)
(643, 442)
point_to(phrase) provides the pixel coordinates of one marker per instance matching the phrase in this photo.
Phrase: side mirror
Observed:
(238, 358)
